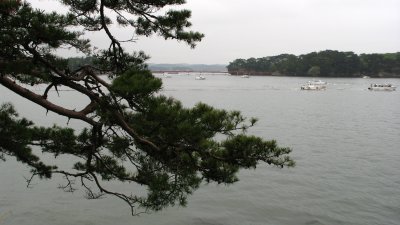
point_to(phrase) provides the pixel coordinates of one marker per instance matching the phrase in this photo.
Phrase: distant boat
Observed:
(245, 76)
(366, 77)
(166, 75)
(381, 87)
(200, 78)
(314, 85)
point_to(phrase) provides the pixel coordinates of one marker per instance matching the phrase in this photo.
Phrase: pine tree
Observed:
(133, 134)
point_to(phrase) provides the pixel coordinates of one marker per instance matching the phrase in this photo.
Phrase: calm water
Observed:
(346, 143)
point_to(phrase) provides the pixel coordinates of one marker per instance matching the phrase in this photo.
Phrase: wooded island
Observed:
(328, 63)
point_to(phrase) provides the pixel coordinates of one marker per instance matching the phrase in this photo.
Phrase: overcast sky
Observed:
(258, 28)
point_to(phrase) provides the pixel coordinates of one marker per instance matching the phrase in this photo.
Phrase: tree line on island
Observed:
(328, 63)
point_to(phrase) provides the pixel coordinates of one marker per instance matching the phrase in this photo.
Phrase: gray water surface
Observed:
(345, 140)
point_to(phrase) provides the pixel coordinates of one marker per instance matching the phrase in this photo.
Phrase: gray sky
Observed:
(258, 28)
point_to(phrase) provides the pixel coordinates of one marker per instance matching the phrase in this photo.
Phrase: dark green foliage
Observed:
(135, 84)
(133, 134)
(18, 135)
(325, 63)
(76, 63)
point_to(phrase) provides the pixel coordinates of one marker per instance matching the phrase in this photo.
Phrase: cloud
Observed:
(257, 28)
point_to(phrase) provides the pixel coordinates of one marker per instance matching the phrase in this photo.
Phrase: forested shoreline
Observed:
(328, 63)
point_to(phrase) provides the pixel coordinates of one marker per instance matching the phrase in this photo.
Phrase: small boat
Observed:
(366, 77)
(381, 87)
(166, 75)
(245, 76)
(314, 85)
(200, 78)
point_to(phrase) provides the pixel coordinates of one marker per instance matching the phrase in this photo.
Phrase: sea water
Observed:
(345, 141)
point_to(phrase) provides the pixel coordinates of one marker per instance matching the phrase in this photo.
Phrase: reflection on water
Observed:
(345, 140)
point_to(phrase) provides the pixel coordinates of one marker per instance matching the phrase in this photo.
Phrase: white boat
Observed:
(382, 87)
(200, 78)
(245, 76)
(314, 85)
(165, 75)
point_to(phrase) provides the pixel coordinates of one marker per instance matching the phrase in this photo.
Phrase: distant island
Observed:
(328, 63)
(75, 62)
(219, 68)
